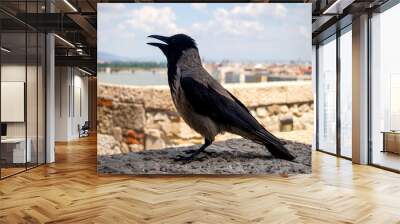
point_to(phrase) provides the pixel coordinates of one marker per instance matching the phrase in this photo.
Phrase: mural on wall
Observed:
(204, 88)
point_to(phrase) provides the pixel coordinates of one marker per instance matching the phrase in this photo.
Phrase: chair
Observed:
(84, 130)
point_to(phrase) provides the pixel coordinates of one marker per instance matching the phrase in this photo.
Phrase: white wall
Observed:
(70, 84)
(62, 81)
(80, 105)
(12, 73)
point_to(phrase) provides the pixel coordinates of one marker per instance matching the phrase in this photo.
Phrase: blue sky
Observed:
(238, 32)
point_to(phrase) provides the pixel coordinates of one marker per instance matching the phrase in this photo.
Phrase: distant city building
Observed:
(225, 71)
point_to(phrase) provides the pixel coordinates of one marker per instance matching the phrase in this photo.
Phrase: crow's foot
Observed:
(211, 154)
(192, 151)
(186, 159)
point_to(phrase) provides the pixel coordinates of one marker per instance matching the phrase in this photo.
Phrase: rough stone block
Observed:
(132, 137)
(284, 109)
(158, 98)
(254, 95)
(261, 112)
(117, 133)
(107, 145)
(304, 107)
(154, 139)
(300, 93)
(129, 116)
(121, 93)
(105, 120)
(273, 109)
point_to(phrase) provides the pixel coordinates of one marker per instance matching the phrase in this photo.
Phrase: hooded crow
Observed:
(204, 104)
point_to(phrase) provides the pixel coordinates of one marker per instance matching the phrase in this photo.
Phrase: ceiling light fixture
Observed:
(329, 9)
(79, 51)
(5, 50)
(86, 72)
(64, 40)
(337, 7)
(70, 5)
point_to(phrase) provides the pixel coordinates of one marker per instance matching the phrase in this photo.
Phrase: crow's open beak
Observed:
(166, 40)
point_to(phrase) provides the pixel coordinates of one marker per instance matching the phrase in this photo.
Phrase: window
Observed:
(22, 77)
(346, 93)
(327, 96)
(385, 89)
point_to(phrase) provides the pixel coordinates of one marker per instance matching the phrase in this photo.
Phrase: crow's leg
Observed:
(201, 150)
(195, 153)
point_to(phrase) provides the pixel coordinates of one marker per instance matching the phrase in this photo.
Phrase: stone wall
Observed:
(132, 118)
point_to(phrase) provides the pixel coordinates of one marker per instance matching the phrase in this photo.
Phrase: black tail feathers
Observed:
(279, 151)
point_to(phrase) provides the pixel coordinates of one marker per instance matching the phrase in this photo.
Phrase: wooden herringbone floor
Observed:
(70, 191)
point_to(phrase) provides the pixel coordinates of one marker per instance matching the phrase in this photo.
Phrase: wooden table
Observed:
(391, 141)
(13, 150)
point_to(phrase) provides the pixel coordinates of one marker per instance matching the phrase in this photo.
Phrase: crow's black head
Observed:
(173, 46)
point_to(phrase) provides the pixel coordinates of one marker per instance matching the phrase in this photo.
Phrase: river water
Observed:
(141, 78)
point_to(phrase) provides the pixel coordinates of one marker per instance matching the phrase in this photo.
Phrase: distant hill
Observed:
(108, 57)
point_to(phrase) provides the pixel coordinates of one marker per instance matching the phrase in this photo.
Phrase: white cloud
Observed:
(154, 19)
(199, 6)
(201, 26)
(251, 9)
(260, 9)
(110, 7)
(304, 32)
(280, 10)
(228, 22)
(242, 19)
(232, 24)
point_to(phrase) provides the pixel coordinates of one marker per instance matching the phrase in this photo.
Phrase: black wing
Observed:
(214, 101)
(210, 99)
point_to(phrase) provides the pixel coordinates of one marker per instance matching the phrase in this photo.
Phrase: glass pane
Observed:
(2, 161)
(31, 87)
(22, 88)
(31, 97)
(327, 96)
(41, 98)
(386, 89)
(13, 86)
(346, 94)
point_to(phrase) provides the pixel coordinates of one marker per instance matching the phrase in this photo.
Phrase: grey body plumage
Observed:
(200, 123)
(204, 104)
